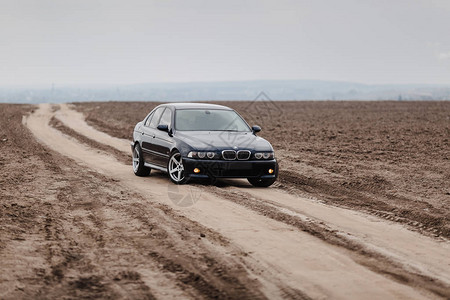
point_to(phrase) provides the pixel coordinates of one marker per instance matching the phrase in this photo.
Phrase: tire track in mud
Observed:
(155, 243)
(76, 242)
(368, 257)
(299, 185)
(119, 155)
(344, 157)
(175, 243)
(202, 269)
(188, 276)
(361, 254)
(69, 249)
(287, 292)
(431, 224)
(169, 243)
(417, 295)
(98, 240)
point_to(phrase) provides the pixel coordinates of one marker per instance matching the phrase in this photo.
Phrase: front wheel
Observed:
(259, 182)
(138, 162)
(176, 168)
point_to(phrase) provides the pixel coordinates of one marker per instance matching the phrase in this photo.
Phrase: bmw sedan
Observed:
(202, 141)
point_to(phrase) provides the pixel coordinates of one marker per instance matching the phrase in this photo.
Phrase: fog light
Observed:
(196, 170)
(270, 171)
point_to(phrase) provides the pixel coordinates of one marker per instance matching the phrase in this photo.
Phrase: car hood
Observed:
(220, 140)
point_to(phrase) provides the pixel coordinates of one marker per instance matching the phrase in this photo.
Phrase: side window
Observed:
(147, 123)
(156, 116)
(166, 117)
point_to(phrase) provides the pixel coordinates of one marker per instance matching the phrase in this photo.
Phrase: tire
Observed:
(138, 162)
(258, 182)
(175, 168)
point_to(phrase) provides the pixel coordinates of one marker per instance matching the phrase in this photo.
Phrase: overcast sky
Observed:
(134, 41)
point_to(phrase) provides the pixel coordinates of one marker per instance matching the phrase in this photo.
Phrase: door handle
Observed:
(153, 136)
(142, 133)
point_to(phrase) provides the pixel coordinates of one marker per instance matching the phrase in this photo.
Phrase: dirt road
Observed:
(233, 240)
(390, 159)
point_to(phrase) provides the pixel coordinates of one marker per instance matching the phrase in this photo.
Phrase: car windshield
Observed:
(209, 120)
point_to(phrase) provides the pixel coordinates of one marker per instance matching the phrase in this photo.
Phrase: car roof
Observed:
(192, 105)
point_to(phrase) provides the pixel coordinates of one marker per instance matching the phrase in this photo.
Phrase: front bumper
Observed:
(230, 169)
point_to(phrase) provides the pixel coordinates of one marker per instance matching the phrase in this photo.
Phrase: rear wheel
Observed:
(138, 162)
(176, 168)
(261, 182)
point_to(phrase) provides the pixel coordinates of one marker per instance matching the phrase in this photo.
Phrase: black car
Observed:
(204, 141)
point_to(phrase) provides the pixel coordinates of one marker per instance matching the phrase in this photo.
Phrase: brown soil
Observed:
(92, 143)
(391, 159)
(68, 232)
(76, 223)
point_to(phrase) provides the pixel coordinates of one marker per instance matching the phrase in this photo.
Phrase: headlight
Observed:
(265, 155)
(202, 155)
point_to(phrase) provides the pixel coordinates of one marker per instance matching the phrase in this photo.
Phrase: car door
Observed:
(163, 140)
(144, 137)
(148, 136)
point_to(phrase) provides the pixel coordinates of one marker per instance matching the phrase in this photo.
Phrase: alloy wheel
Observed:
(176, 169)
(135, 159)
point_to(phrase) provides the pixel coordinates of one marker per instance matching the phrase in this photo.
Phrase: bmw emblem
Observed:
(235, 147)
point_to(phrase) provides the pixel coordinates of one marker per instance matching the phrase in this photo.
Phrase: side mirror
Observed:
(256, 128)
(163, 127)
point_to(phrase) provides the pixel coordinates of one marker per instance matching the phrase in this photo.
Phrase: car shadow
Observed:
(222, 182)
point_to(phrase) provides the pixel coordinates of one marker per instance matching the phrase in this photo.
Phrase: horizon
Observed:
(94, 85)
(276, 90)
